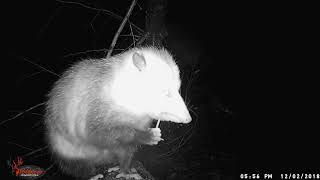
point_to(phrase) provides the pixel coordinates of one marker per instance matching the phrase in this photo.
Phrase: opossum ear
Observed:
(139, 61)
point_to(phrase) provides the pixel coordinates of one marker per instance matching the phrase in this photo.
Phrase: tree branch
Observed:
(114, 41)
(33, 107)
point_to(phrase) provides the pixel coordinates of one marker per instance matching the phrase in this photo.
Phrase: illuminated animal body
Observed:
(101, 109)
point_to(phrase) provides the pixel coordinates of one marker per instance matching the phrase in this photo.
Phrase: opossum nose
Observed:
(187, 119)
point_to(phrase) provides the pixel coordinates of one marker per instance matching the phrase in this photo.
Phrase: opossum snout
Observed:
(175, 110)
(187, 119)
(165, 116)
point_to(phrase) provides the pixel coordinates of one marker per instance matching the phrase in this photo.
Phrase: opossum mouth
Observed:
(170, 117)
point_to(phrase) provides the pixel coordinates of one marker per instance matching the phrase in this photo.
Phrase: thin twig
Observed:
(90, 51)
(33, 107)
(114, 41)
(130, 35)
(41, 67)
(101, 10)
(49, 168)
(45, 26)
(33, 74)
(92, 20)
(20, 146)
(32, 152)
(145, 36)
(131, 32)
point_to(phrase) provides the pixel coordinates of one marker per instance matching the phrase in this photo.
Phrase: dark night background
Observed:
(246, 92)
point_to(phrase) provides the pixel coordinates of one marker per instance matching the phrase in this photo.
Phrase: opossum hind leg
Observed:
(125, 155)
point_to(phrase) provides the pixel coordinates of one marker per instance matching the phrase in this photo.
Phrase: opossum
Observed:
(101, 109)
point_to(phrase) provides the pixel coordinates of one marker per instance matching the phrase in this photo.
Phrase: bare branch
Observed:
(31, 75)
(33, 107)
(45, 26)
(20, 146)
(93, 19)
(32, 152)
(146, 35)
(101, 10)
(114, 41)
(130, 35)
(49, 168)
(41, 67)
(89, 51)
(131, 32)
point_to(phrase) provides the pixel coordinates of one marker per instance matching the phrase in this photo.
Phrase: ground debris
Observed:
(113, 174)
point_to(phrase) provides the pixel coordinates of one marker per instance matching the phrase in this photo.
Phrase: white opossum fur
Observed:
(101, 109)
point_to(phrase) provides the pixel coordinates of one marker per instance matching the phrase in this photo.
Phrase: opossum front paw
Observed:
(155, 136)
